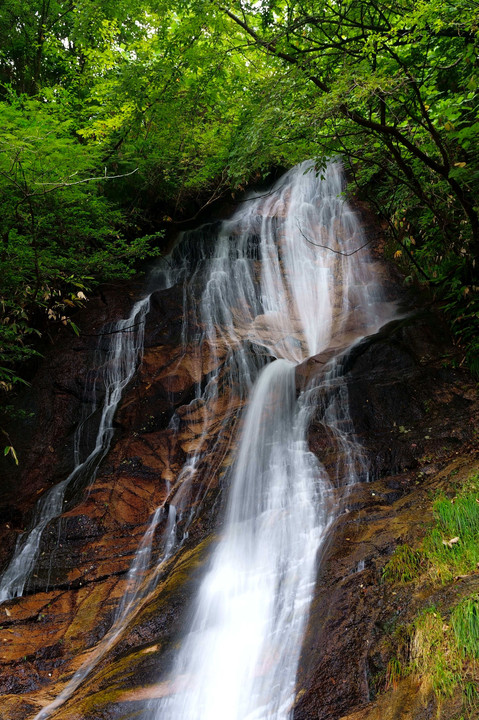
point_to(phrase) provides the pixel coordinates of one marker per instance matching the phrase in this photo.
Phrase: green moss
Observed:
(98, 700)
(183, 567)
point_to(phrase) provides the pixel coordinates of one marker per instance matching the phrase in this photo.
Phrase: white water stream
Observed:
(125, 349)
(281, 281)
(285, 276)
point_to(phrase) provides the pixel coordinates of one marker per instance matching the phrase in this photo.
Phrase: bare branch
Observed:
(326, 247)
(57, 186)
(112, 332)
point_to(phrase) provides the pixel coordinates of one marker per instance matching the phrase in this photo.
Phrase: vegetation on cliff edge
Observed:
(442, 645)
(119, 118)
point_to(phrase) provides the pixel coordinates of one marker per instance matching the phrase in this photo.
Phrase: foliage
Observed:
(434, 652)
(456, 519)
(393, 89)
(442, 653)
(465, 623)
(439, 649)
(186, 102)
(394, 672)
(58, 232)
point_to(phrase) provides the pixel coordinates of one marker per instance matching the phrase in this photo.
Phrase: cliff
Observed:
(98, 639)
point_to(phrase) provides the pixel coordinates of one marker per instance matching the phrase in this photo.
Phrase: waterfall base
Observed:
(418, 420)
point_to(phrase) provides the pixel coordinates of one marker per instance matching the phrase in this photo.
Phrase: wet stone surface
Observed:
(417, 421)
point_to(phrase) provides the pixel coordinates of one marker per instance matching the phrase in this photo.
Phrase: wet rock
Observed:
(417, 423)
(85, 555)
(347, 644)
(54, 403)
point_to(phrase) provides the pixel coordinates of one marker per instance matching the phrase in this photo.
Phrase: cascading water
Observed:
(284, 280)
(126, 345)
(288, 277)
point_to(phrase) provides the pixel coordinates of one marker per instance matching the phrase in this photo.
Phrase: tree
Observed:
(58, 232)
(392, 88)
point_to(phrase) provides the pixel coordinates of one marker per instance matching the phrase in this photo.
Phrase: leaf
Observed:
(11, 450)
(75, 328)
(451, 542)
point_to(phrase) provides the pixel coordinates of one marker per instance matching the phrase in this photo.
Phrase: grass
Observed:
(403, 566)
(394, 672)
(434, 653)
(442, 653)
(445, 653)
(465, 624)
(450, 547)
(443, 650)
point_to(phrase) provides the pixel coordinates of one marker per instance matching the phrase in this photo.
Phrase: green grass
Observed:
(465, 624)
(445, 652)
(456, 520)
(394, 672)
(403, 566)
(450, 547)
(443, 649)
(434, 653)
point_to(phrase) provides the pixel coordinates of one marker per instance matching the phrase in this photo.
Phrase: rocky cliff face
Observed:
(416, 417)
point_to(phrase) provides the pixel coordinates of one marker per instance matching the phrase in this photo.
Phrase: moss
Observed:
(182, 569)
(99, 700)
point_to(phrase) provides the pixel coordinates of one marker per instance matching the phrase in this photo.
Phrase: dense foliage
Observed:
(393, 89)
(118, 116)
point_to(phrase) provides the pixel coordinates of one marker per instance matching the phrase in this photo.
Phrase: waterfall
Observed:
(288, 277)
(125, 347)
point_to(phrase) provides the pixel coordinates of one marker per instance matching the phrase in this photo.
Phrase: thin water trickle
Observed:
(126, 345)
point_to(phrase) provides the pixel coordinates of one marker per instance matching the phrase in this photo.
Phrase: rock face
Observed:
(416, 418)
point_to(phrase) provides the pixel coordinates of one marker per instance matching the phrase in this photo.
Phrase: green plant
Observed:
(465, 624)
(471, 697)
(394, 672)
(441, 652)
(434, 653)
(403, 566)
(451, 547)
(59, 233)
